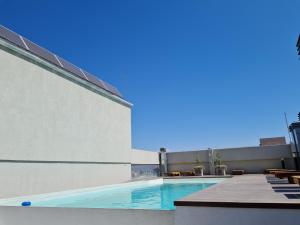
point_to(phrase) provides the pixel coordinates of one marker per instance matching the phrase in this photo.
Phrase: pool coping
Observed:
(204, 177)
(238, 204)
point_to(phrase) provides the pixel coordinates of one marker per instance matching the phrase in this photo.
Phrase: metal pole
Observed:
(211, 161)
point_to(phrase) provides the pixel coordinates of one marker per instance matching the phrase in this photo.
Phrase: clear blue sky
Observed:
(200, 73)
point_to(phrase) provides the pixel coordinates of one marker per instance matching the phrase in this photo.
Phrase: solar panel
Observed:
(100, 83)
(24, 43)
(41, 52)
(112, 89)
(91, 78)
(11, 37)
(71, 68)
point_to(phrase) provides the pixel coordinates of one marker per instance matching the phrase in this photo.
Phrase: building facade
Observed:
(59, 130)
(272, 141)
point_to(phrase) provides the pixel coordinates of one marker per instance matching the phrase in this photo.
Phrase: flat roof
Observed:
(29, 46)
(246, 191)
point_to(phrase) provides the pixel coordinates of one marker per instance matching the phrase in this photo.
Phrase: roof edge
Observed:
(28, 55)
(27, 45)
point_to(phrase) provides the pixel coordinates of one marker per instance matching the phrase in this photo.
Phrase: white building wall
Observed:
(46, 117)
(18, 179)
(139, 156)
(144, 163)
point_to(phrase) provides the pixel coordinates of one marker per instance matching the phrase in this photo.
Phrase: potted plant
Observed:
(219, 166)
(198, 170)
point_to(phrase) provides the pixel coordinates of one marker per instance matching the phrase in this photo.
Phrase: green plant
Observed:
(198, 169)
(218, 159)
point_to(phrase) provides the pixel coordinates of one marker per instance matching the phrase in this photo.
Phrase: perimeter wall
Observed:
(250, 159)
(144, 163)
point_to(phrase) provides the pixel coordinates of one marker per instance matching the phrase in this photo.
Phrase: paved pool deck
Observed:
(247, 191)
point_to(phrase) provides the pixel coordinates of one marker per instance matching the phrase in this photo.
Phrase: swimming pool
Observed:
(155, 194)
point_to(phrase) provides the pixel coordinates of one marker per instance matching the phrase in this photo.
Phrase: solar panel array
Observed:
(12, 37)
(35, 49)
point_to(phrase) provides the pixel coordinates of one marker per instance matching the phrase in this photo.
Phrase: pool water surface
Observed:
(159, 194)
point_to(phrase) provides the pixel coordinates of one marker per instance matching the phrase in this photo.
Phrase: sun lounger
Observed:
(296, 179)
(237, 172)
(187, 173)
(268, 171)
(283, 170)
(172, 174)
(287, 174)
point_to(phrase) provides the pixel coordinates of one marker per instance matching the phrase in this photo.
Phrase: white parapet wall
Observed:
(12, 215)
(235, 216)
(139, 156)
(57, 134)
(251, 159)
(76, 216)
(144, 163)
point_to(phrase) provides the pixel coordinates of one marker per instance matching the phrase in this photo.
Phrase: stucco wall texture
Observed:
(53, 129)
(139, 156)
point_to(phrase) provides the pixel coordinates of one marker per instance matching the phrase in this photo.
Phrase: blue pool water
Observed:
(158, 194)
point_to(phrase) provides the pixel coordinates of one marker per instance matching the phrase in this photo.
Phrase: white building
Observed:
(60, 127)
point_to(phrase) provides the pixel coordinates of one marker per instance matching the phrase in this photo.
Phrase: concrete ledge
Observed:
(205, 176)
(79, 216)
(235, 216)
(239, 204)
